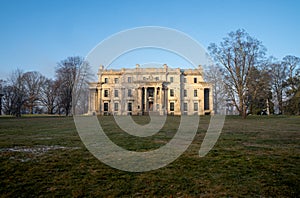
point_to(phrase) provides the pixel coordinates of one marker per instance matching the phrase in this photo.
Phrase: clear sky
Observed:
(36, 34)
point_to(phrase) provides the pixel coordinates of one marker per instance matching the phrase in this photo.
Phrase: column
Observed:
(90, 101)
(100, 100)
(97, 100)
(155, 99)
(211, 101)
(145, 100)
(139, 99)
(166, 100)
(161, 100)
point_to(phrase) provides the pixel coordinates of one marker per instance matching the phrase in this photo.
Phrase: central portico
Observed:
(151, 98)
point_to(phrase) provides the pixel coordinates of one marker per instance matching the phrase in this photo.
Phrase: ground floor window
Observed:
(195, 106)
(185, 106)
(105, 106)
(171, 106)
(116, 106)
(129, 106)
(206, 99)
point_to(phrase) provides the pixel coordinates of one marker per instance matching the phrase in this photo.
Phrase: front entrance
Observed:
(150, 99)
(151, 106)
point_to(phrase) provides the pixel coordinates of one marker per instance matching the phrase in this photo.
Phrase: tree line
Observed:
(243, 78)
(33, 93)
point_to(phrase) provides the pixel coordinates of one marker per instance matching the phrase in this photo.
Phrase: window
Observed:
(129, 79)
(116, 106)
(195, 106)
(185, 93)
(157, 107)
(105, 106)
(172, 92)
(129, 93)
(171, 106)
(116, 80)
(129, 106)
(195, 80)
(185, 106)
(184, 80)
(157, 78)
(195, 93)
(105, 80)
(206, 99)
(116, 93)
(105, 93)
(171, 79)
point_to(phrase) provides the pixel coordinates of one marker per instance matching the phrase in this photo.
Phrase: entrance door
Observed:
(150, 106)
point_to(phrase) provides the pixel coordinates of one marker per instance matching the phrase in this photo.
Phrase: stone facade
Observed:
(139, 91)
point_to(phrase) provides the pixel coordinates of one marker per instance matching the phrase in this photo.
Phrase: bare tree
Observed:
(292, 84)
(278, 73)
(15, 94)
(71, 71)
(292, 65)
(259, 91)
(7, 99)
(285, 82)
(214, 75)
(33, 82)
(238, 53)
(49, 95)
(81, 89)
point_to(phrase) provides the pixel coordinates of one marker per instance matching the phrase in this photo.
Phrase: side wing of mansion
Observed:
(139, 91)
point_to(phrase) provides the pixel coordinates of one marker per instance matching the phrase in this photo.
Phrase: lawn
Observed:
(256, 157)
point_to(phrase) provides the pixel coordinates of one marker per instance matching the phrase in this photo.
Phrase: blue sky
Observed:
(36, 34)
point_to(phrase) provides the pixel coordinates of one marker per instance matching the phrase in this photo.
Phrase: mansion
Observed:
(140, 91)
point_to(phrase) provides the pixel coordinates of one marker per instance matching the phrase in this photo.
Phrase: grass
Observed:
(256, 157)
